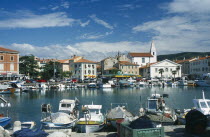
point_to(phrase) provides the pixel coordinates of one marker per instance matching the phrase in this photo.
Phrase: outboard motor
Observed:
(196, 122)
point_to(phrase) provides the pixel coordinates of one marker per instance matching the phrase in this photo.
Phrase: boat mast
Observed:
(203, 95)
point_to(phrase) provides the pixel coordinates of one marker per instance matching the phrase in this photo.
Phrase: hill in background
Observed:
(183, 55)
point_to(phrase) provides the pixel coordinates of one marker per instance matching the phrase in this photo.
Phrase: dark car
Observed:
(86, 80)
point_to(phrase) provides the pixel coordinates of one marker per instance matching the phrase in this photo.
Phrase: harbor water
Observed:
(27, 106)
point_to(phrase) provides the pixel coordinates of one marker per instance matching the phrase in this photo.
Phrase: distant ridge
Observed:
(183, 55)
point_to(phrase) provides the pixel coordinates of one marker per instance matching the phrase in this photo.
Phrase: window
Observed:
(1, 57)
(92, 66)
(88, 65)
(143, 60)
(203, 105)
(166, 69)
(12, 58)
(12, 67)
(1, 66)
(93, 72)
(153, 53)
(156, 69)
(89, 71)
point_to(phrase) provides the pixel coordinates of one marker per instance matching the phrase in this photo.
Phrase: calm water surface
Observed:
(27, 106)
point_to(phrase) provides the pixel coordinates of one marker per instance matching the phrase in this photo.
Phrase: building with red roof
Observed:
(9, 63)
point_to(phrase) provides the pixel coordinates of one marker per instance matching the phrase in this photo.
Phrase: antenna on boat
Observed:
(203, 94)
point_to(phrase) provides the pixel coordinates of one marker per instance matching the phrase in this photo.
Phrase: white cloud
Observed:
(92, 50)
(55, 8)
(180, 32)
(128, 6)
(94, 36)
(84, 24)
(189, 6)
(101, 22)
(57, 19)
(65, 4)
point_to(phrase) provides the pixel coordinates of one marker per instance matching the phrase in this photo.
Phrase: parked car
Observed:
(93, 80)
(86, 80)
(74, 80)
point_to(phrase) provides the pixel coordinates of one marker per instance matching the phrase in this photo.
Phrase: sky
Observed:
(97, 29)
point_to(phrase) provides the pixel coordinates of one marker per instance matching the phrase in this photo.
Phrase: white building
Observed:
(200, 66)
(152, 70)
(83, 68)
(144, 58)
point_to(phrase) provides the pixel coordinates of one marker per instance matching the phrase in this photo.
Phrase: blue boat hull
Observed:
(4, 121)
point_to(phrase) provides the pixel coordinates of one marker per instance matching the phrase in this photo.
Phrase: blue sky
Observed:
(97, 29)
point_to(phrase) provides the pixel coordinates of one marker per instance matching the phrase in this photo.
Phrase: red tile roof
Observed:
(127, 63)
(140, 54)
(64, 60)
(201, 58)
(84, 61)
(8, 50)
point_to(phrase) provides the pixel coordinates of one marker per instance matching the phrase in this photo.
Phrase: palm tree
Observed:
(161, 72)
(174, 73)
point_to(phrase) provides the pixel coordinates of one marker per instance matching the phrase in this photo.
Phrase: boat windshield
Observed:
(152, 104)
(66, 105)
(203, 104)
(208, 102)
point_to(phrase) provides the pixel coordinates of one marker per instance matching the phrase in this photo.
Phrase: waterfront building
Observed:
(200, 66)
(42, 62)
(9, 63)
(144, 58)
(110, 63)
(185, 66)
(83, 68)
(152, 70)
(64, 64)
(128, 67)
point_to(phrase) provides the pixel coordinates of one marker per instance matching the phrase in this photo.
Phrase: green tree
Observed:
(161, 72)
(29, 66)
(66, 74)
(114, 71)
(51, 70)
(174, 73)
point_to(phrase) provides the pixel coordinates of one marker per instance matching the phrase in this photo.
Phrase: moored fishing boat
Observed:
(119, 112)
(66, 117)
(4, 120)
(202, 105)
(157, 111)
(93, 119)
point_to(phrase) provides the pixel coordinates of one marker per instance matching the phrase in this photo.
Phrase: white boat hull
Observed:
(90, 128)
(50, 125)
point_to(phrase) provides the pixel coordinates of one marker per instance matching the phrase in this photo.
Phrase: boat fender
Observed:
(88, 116)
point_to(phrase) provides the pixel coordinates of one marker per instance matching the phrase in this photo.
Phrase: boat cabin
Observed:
(202, 105)
(155, 103)
(67, 105)
(94, 108)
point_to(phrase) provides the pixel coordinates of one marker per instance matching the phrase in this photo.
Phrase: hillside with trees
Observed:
(183, 55)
